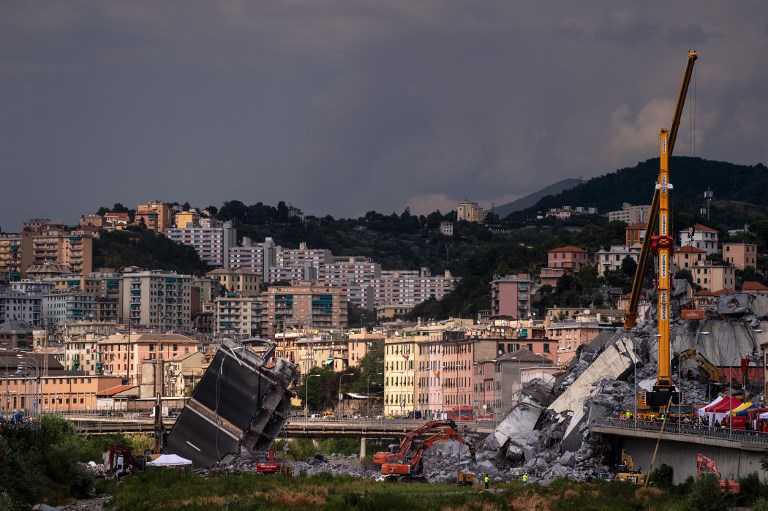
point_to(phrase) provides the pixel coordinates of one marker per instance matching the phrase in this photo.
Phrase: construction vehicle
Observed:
(118, 461)
(397, 452)
(706, 465)
(631, 318)
(707, 367)
(661, 245)
(626, 470)
(268, 463)
(411, 468)
(466, 478)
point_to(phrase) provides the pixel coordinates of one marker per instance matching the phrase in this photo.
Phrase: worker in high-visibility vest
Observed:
(525, 478)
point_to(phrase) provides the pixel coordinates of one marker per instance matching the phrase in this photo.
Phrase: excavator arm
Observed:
(412, 467)
(405, 444)
(631, 318)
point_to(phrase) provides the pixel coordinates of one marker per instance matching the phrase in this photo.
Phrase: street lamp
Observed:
(341, 403)
(306, 392)
(368, 413)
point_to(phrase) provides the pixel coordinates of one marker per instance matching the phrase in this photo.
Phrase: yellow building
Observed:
(400, 364)
(155, 215)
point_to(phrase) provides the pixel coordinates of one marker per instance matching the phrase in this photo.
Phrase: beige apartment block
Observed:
(156, 299)
(15, 255)
(740, 255)
(400, 364)
(360, 344)
(685, 258)
(122, 354)
(714, 277)
(304, 305)
(241, 282)
(569, 335)
(61, 393)
(155, 215)
(56, 246)
(238, 315)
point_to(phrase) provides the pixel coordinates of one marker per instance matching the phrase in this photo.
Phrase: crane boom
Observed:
(631, 318)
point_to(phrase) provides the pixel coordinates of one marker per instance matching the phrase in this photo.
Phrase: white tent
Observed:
(169, 460)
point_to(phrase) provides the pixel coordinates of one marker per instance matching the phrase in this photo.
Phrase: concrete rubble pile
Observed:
(547, 434)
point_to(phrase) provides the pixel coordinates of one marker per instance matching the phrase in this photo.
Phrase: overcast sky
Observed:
(342, 107)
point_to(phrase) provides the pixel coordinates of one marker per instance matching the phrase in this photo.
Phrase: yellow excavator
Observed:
(627, 472)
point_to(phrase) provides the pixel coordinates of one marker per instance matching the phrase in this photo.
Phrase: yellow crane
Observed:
(661, 245)
(631, 319)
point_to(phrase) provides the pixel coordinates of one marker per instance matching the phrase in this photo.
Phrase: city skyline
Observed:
(340, 109)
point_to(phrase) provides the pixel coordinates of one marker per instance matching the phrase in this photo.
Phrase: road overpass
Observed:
(297, 427)
(736, 452)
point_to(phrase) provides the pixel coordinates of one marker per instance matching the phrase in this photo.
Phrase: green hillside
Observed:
(739, 190)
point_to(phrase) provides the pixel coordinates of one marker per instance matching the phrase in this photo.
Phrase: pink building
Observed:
(569, 336)
(511, 295)
(569, 257)
(123, 354)
(740, 255)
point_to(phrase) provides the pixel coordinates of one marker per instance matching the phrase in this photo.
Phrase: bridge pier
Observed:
(362, 447)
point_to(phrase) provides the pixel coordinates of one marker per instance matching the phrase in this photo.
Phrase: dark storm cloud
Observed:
(341, 107)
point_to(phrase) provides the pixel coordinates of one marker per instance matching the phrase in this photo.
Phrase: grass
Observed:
(169, 490)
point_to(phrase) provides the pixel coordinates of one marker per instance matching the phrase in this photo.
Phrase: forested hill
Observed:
(731, 185)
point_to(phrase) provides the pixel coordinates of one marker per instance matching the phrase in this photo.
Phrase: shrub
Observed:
(706, 494)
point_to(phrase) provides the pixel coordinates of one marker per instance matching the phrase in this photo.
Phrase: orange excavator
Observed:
(397, 452)
(706, 465)
(411, 468)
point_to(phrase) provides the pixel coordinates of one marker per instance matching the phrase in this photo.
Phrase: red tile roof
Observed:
(569, 248)
(637, 225)
(753, 285)
(694, 250)
(115, 390)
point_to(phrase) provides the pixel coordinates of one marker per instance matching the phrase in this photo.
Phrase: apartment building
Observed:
(570, 258)
(613, 258)
(187, 219)
(18, 306)
(55, 246)
(212, 243)
(240, 282)
(114, 221)
(630, 214)
(508, 372)
(700, 236)
(714, 277)
(511, 296)
(67, 306)
(740, 255)
(360, 343)
(123, 354)
(15, 255)
(156, 299)
(686, 257)
(400, 362)
(57, 394)
(634, 234)
(304, 305)
(569, 335)
(154, 215)
(238, 315)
